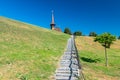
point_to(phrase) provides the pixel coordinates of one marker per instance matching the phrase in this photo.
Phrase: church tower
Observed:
(52, 25)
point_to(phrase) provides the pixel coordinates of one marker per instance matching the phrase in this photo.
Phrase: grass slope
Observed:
(28, 52)
(93, 60)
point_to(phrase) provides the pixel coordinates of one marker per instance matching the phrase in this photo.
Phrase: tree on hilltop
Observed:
(67, 31)
(105, 39)
(77, 33)
(93, 34)
(119, 37)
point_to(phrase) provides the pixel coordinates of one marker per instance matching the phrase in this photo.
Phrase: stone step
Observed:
(67, 69)
(66, 78)
(65, 65)
(73, 52)
(62, 78)
(65, 62)
(73, 55)
(69, 72)
(76, 67)
(74, 63)
(67, 57)
(63, 74)
(59, 71)
(67, 53)
(74, 59)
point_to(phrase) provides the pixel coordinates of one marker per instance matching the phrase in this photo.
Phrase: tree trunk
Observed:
(106, 59)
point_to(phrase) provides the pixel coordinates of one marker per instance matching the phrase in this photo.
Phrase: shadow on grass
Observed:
(90, 60)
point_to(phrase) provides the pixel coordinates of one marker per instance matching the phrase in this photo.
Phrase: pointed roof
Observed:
(53, 22)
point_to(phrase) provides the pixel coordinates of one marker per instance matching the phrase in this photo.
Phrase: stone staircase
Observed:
(69, 65)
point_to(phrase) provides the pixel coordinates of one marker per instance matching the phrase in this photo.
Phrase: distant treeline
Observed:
(79, 33)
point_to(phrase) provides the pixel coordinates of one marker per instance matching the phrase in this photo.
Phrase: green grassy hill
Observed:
(93, 60)
(28, 52)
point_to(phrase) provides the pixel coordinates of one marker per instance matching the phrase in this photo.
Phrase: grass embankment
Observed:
(28, 52)
(93, 60)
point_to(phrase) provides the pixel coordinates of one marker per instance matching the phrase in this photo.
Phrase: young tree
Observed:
(77, 33)
(119, 37)
(93, 34)
(105, 39)
(67, 31)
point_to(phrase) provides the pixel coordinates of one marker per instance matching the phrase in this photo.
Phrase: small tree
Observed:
(67, 31)
(93, 34)
(105, 39)
(119, 37)
(77, 33)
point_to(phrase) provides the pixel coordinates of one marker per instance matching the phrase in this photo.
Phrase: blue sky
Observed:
(83, 15)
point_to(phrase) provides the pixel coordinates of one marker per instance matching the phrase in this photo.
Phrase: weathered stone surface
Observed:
(69, 68)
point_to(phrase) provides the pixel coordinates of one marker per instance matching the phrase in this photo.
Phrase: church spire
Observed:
(53, 22)
(52, 18)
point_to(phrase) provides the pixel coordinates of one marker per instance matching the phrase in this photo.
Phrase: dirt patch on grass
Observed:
(116, 44)
(87, 43)
(13, 70)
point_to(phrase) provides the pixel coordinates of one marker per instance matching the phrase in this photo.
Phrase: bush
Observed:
(93, 34)
(77, 33)
(119, 37)
(67, 31)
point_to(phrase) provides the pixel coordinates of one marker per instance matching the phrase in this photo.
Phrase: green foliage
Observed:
(67, 31)
(93, 34)
(119, 37)
(77, 33)
(106, 39)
